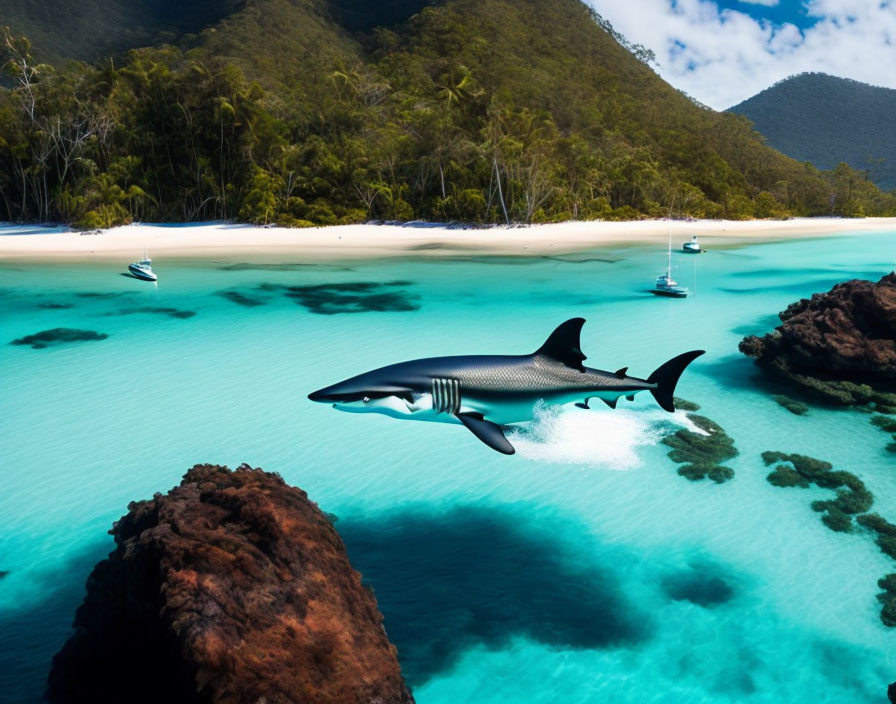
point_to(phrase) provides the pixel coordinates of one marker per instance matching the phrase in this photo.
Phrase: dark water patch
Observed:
(764, 324)
(103, 295)
(700, 584)
(803, 290)
(30, 636)
(495, 260)
(55, 306)
(355, 297)
(248, 266)
(3, 573)
(846, 666)
(572, 259)
(436, 246)
(740, 373)
(448, 582)
(784, 273)
(58, 336)
(151, 310)
(241, 299)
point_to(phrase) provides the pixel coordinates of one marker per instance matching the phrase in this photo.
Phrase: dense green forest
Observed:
(311, 112)
(825, 120)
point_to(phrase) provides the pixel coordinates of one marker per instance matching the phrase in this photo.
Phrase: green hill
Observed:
(825, 120)
(325, 111)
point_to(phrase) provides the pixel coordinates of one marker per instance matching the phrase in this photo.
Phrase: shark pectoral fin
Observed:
(490, 433)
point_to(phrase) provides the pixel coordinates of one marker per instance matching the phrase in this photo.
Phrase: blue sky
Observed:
(792, 11)
(724, 51)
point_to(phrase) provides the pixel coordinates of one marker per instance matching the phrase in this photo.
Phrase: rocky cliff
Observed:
(232, 588)
(839, 346)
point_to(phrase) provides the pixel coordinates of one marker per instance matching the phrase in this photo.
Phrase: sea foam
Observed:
(598, 438)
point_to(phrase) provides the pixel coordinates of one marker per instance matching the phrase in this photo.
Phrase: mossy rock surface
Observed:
(798, 408)
(701, 454)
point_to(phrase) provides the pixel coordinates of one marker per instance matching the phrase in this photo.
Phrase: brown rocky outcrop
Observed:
(233, 587)
(839, 346)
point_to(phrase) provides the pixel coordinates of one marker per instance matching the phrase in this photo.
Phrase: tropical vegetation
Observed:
(302, 112)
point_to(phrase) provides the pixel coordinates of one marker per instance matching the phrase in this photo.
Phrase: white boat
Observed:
(143, 269)
(665, 284)
(692, 247)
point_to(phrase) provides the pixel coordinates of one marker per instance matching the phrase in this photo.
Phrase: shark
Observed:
(486, 393)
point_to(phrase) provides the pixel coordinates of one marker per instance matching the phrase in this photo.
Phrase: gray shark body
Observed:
(486, 392)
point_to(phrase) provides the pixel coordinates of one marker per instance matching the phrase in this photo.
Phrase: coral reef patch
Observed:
(701, 453)
(853, 501)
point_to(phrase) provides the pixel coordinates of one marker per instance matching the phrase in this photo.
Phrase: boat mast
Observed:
(669, 264)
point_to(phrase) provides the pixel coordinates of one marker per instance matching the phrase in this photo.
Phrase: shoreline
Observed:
(25, 243)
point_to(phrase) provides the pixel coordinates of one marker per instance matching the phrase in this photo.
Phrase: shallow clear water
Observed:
(582, 569)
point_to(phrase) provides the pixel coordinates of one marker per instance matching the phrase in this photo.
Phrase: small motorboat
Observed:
(692, 247)
(143, 269)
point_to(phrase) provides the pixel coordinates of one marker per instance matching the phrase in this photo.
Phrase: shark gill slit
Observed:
(446, 395)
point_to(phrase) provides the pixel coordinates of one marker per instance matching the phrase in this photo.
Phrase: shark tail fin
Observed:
(666, 377)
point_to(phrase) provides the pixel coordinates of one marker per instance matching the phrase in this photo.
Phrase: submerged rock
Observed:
(232, 588)
(838, 346)
(58, 336)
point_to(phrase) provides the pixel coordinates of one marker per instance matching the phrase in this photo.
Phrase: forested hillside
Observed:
(92, 29)
(313, 112)
(825, 120)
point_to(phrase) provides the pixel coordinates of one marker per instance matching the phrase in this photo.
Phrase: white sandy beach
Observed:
(230, 240)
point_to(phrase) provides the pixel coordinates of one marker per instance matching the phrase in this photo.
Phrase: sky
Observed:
(721, 52)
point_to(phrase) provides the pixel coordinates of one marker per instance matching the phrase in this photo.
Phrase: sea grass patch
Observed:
(241, 299)
(801, 471)
(853, 501)
(798, 408)
(887, 598)
(355, 297)
(58, 336)
(701, 454)
(152, 310)
(888, 425)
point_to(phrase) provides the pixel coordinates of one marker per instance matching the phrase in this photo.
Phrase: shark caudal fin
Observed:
(666, 377)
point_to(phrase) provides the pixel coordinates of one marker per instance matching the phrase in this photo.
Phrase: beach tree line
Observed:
(433, 122)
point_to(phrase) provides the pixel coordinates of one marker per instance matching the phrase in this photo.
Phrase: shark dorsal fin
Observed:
(621, 372)
(564, 346)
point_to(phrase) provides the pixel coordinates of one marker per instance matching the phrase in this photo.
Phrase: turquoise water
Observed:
(581, 569)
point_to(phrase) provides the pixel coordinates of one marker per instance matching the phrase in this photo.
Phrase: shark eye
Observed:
(366, 399)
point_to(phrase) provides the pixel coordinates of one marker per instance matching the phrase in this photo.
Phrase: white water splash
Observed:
(605, 439)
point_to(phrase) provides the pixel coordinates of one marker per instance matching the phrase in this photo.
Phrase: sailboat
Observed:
(665, 284)
(143, 268)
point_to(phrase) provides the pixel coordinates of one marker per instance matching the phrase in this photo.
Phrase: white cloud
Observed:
(767, 3)
(721, 57)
